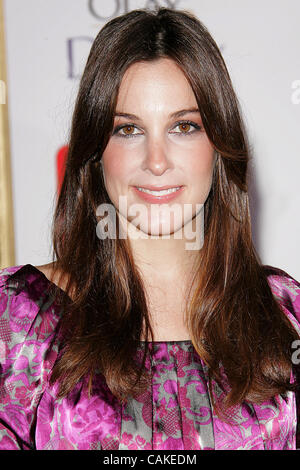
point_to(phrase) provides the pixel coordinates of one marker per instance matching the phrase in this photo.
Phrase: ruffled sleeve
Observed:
(287, 292)
(28, 350)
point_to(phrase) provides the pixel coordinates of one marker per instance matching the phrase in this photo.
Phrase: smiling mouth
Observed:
(159, 192)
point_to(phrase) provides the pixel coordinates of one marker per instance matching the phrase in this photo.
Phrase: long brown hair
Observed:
(233, 317)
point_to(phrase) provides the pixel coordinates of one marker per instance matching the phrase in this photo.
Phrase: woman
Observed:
(148, 335)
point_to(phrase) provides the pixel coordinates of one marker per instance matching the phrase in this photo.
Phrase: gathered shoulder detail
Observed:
(28, 349)
(286, 290)
(27, 308)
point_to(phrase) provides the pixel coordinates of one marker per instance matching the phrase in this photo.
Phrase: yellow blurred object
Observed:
(7, 245)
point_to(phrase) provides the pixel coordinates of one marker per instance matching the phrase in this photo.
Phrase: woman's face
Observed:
(158, 141)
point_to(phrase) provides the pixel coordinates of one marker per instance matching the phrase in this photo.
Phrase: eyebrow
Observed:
(180, 113)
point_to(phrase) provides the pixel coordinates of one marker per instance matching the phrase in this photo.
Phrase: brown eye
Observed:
(128, 130)
(184, 127)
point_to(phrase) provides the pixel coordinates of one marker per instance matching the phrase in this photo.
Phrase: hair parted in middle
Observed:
(233, 317)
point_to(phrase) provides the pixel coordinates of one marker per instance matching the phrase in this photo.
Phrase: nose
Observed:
(157, 161)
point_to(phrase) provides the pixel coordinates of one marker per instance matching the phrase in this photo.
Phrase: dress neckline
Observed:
(45, 279)
(172, 341)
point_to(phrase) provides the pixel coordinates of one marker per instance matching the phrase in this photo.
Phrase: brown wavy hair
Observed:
(233, 317)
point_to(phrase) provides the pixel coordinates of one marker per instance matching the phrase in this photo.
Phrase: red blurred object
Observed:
(61, 158)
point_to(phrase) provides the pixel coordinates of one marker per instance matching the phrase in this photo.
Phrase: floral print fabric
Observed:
(176, 413)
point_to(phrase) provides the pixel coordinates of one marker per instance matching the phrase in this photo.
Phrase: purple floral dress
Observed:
(176, 413)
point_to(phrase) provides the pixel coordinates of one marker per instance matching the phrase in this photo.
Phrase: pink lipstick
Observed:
(158, 194)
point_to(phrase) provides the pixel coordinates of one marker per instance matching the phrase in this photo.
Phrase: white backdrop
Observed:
(47, 45)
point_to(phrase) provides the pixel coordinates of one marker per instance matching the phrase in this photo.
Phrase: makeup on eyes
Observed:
(193, 124)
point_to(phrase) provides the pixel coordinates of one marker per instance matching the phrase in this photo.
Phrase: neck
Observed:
(163, 258)
(173, 256)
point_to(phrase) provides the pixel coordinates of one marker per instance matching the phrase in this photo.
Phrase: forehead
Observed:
(159, 81)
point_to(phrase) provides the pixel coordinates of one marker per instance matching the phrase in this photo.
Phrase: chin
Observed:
(158, 230)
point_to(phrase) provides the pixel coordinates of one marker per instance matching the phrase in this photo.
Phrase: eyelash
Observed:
(128, 136)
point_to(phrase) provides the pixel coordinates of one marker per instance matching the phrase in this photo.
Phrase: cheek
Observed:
(115, 165)
(201, 165)
(200, 172)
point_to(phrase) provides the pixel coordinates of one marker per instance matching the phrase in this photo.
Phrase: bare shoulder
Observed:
(53, 275)
(46, 269)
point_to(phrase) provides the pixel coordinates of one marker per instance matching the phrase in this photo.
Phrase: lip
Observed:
(158, 188)
(158, 199)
